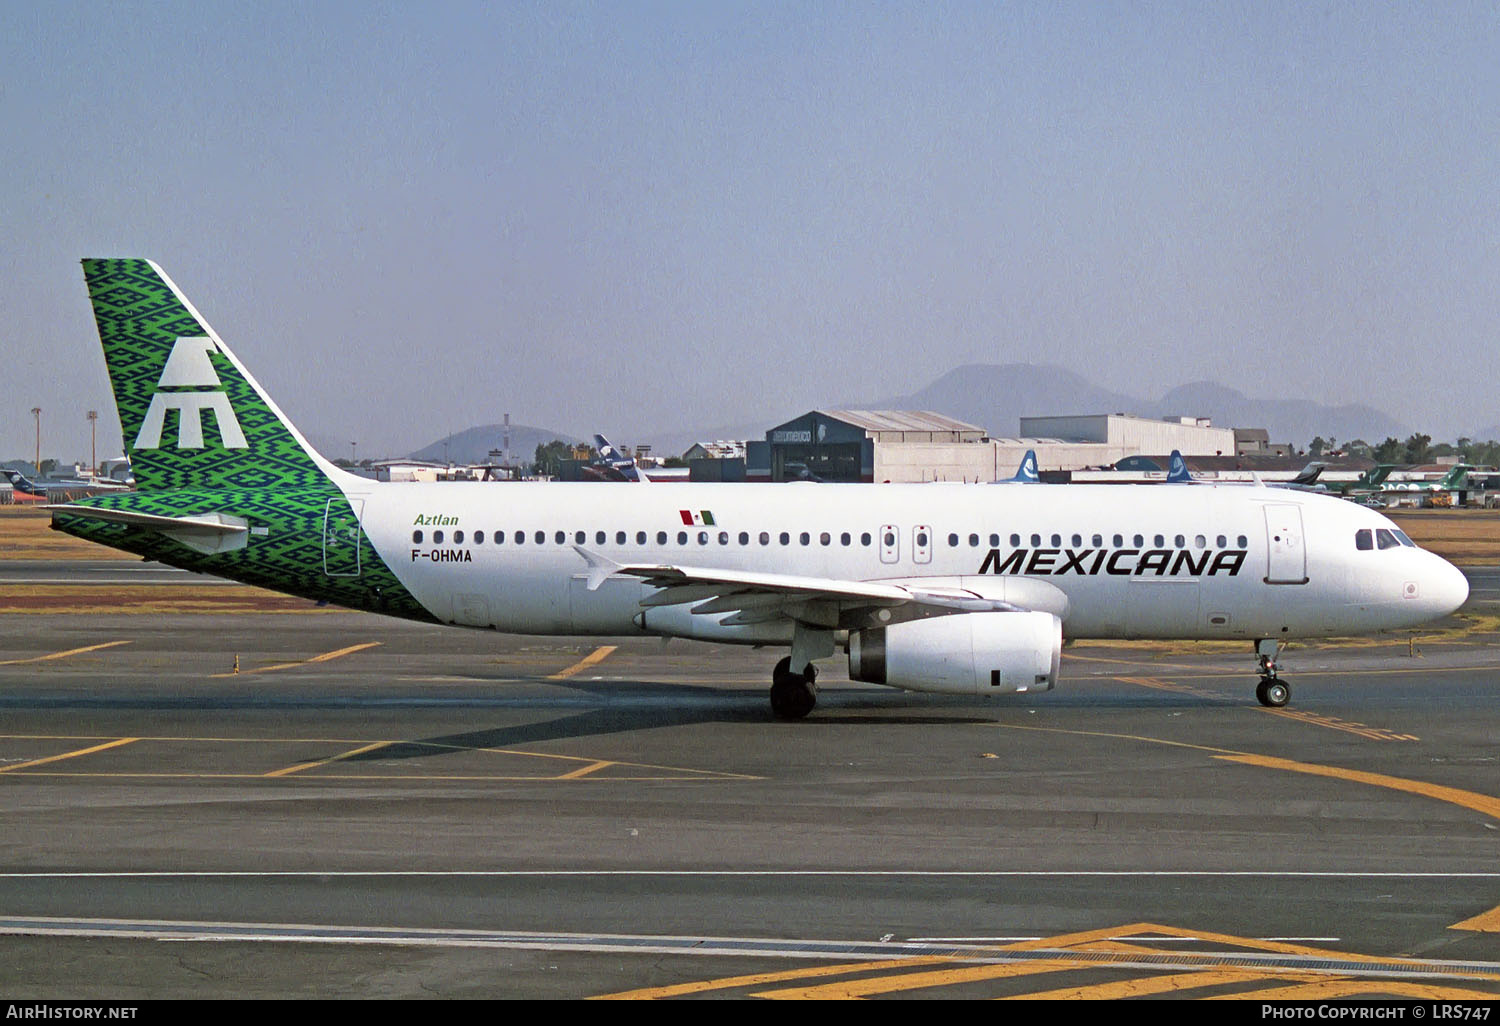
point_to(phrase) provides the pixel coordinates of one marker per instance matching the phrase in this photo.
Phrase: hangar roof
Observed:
(901, 420)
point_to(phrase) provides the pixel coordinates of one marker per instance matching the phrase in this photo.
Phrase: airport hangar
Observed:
(895, 446)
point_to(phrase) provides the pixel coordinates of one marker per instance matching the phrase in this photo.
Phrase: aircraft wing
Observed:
(817, 601)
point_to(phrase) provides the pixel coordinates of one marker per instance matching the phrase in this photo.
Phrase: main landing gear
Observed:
(793, 695)
(1272, 691)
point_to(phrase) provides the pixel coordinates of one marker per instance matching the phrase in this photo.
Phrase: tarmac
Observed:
(314, 803)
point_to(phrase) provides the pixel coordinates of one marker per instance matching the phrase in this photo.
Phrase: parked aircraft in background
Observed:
(962, 590)
(49, 489)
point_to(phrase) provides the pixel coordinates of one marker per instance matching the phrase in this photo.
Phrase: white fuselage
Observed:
(1149, 561)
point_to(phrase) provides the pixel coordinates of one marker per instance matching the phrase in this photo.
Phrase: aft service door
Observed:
(341, 537)
(1286, 551)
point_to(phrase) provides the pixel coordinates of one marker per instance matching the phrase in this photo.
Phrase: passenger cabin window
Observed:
(1098, 541)
(994, 541)
(458, 537)
(640, 537)
(1119, 540)
(1244, 542)
(1159, 541)
(620, 537)
(1056, 540)
(520, 537)
(973, 541)
(785, 539)
(661, 537)
(416, 537)
(864, 539)
(437, 537)
(804, 537)
(1077, 540)
(844, 538)
(1015, 541)
(1364, 540)
(825, 538)
(1139, 541)
(1036, 541)
(765, 537)
(561, 537)
(499, 537)
(952, 541)
(478, 537)
(681, 537)
(1222, 541)
(540, 537)
(1384, 539)
(579, 537)
(744, 537)
(1179, 541)
(598, 537)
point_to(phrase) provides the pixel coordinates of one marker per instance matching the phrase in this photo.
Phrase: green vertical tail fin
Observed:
(191, 415)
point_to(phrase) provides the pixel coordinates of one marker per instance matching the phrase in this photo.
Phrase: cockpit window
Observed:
(1404, 540)
(1385, 539)
(1364, 541)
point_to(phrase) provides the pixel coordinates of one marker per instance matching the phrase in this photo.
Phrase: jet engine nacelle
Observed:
(961, 654)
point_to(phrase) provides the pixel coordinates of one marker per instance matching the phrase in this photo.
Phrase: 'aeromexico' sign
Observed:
(1120, 562)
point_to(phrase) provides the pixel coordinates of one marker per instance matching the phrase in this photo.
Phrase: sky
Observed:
(408, 219)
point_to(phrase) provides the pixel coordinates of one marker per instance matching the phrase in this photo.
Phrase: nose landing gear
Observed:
(1272, 691)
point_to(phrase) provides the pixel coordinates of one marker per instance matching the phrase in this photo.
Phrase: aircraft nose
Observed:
(1446, 587)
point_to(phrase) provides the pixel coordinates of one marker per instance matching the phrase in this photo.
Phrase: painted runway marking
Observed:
(578, 767)
(325, 657)
(880, 967)
(289, 770)
(62, 655)
(1481, 803)
(595, 657)
(69, 755)
(1485, 922)
(1301, 715)
(1349, 727)
(1240, 961)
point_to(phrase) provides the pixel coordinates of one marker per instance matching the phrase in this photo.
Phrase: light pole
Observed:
(94, 442)
(352, 447)
(36, 411)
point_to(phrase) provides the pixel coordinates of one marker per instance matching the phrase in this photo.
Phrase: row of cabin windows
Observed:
(641, 538)
(825, 538)
(1200, 541)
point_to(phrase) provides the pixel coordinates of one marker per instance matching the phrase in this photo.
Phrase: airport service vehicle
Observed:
(954, 589)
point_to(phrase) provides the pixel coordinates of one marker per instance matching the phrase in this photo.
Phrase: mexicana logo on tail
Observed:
(189, 366)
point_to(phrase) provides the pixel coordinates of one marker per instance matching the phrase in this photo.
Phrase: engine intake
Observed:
(962, 654)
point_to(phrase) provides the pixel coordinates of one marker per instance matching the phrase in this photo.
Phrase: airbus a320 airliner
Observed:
(961, 590)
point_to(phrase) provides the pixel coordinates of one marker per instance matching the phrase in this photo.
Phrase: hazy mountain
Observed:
(1288, 420)
(996, 396)
(473, 445)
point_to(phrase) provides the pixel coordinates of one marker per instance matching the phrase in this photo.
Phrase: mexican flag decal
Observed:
(697, 517)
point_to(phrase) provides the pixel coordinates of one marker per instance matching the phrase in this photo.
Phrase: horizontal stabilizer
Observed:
(206, 532)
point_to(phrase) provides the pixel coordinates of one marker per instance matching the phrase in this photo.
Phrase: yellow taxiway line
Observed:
(325, 657)
(595, 657)
(69, 755)
(62, 655)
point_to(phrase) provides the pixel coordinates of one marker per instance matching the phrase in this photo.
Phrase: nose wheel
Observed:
(793, 695)
(1272, 691)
